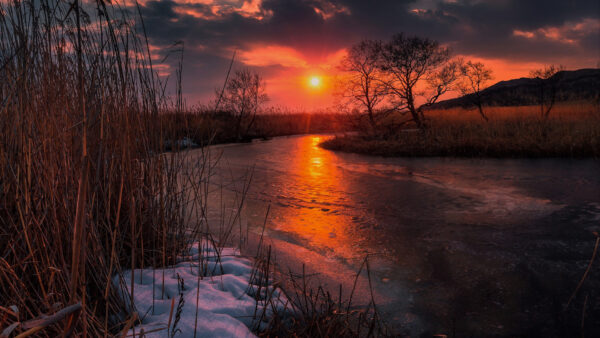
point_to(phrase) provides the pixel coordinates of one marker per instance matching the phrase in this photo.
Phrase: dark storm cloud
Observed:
(488, 27)
(515, 30)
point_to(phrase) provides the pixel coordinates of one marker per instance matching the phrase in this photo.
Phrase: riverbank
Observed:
(515, 137)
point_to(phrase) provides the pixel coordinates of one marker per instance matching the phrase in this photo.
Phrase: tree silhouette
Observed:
(243, 96)
(475, 75)
(363, 83)
(547, 80)
(419, 70)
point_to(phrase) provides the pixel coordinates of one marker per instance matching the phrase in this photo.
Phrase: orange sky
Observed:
(291, 87)
(288, 42)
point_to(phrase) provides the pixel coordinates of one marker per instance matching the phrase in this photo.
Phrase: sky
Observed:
(290, 41)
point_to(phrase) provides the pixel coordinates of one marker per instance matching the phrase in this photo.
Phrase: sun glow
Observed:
(314, 81)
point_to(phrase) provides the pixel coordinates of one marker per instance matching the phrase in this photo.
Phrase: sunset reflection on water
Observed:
(318, 199)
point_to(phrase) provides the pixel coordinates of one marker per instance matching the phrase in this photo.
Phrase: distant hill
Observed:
(576, 85)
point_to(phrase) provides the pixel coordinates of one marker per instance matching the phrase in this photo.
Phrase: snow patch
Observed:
(219, 303)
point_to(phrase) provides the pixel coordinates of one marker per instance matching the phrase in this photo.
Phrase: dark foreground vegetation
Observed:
(82, 197)
(574, 131)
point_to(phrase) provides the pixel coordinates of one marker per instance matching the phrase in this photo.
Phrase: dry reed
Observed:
(83, 193)
(572, 130)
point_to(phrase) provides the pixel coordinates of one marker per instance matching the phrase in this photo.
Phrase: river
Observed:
(463, 247)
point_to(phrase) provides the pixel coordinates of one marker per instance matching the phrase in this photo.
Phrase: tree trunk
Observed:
(480, 107)
(371, 118)
(413, 111)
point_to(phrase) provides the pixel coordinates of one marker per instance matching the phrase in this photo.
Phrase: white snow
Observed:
(221, 301)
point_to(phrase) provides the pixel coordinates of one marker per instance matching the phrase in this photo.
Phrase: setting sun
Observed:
(314, 81)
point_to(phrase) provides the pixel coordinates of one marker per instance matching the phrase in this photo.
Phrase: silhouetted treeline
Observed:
(406, 76)
(206, 127)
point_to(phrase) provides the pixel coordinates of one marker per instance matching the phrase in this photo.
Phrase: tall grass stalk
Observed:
(84, 191)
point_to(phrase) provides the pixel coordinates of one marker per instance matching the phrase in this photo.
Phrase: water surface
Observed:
(465, 247)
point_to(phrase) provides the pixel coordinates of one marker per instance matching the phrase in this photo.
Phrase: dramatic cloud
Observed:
(289, 40)
(273, 55)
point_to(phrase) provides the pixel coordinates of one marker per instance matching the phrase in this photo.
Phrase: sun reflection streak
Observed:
(316, 161)
(317, 216)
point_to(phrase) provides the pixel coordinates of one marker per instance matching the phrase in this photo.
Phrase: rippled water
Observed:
(468, 247)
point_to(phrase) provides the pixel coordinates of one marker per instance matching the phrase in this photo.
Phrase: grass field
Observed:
(572, 130)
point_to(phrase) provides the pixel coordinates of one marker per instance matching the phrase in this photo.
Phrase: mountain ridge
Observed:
(574, 85)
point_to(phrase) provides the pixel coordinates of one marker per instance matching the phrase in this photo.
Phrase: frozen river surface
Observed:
(464, 247)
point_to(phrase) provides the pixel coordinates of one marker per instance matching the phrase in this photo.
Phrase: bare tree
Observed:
(363, 83)
(475, 76)
(243, 96)
(419, 70)
(547, 82)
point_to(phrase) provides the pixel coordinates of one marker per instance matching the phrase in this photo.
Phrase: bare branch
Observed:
(419, 70)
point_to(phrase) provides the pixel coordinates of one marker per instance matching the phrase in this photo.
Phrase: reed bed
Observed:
(562, 111)
(572, 130)
(304, 308)
(83, 191)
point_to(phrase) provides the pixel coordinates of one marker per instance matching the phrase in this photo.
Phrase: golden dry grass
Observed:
(561, 111)
(573, 130)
